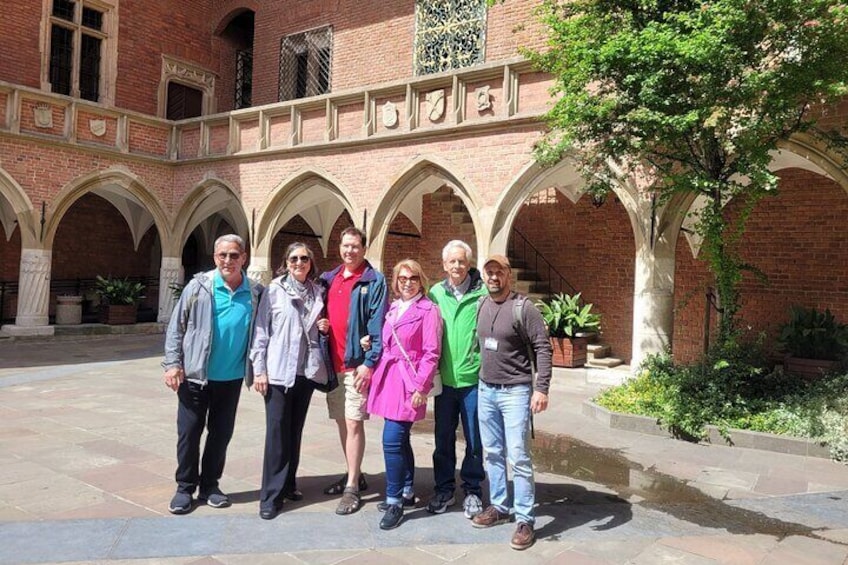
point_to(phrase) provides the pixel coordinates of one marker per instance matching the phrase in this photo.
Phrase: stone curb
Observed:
(738, 438)
(88, 331)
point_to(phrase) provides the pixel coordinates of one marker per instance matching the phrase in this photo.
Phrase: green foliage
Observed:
(811, 334)
(566, 316)
(690, 97)
(733, 388)
(119, 291)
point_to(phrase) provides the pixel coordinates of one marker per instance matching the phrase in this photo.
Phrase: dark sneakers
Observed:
(440, 502)
(269, 513)
(215, 498)
(180, 504)
(489, 517)
(407, 503)
(392, 518)
(523, 537)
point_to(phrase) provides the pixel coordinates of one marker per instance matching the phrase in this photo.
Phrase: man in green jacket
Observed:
(457, 298)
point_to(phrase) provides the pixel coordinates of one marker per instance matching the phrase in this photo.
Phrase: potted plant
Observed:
(813, 341)
(119, 299)
(570, 325)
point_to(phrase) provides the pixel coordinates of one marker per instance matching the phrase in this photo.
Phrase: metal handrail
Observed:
(553, 275)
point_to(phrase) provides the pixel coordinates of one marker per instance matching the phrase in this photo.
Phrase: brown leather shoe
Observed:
(489, 517)
(523, 537)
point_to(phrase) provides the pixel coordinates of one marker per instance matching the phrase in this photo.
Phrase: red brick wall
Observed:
(182, 30)
(94, 239)
(372, 41)
(10, 262)
(593, 249)
(798, 240)
(20, 57)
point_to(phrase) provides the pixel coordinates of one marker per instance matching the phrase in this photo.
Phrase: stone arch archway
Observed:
(136, 203)
(15, 206)
(424, 175)
(314, 195)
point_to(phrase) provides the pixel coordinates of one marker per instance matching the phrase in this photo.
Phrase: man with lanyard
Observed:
(356, 304)
(205, 363)
(508, 396)
(457, 298)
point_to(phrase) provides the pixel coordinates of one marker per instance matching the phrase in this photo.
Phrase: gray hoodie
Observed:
(188, 341)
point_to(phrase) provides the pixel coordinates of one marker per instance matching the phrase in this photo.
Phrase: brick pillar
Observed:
(33, 294)
(171, 272)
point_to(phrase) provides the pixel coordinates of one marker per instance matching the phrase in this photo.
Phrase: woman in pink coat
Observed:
(412, 343)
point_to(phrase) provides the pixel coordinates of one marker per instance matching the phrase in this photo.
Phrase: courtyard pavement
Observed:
(87, 456)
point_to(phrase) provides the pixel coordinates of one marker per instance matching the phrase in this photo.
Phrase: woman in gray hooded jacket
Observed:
(287, 363)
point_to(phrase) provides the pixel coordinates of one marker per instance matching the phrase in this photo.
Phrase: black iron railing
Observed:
(79, 287)
(521, 249)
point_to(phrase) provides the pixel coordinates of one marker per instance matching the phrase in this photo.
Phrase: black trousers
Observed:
(211, 406)
(285, 415)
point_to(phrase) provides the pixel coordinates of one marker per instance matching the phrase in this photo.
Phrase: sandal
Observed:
(349, 503)
(338, 487)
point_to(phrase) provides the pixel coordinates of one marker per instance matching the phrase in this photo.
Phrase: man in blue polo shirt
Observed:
(205, 363)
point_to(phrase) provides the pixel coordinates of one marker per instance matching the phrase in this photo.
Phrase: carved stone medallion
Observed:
(484, 99)
(43, 114)
(390, 115)
(435, 104)
(97, 127)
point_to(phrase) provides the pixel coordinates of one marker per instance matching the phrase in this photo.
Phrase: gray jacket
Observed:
(188, 341)
(278, 336)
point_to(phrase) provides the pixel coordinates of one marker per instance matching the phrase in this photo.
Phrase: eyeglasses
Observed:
(295, 258)
(413, 279)
(232, 256)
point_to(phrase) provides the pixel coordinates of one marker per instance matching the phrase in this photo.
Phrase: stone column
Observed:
(170, 272)
(259, 271)
(653, 301)
(33, 294)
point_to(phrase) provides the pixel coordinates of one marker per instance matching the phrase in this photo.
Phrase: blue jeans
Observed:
(400, 462)
(453, 406)
(505, 430)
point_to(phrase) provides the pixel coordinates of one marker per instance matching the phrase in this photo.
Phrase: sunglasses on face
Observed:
(413, 279)
(294, 259)
(232, 256)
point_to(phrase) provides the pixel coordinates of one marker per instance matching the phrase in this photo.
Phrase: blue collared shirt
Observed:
(230, 329)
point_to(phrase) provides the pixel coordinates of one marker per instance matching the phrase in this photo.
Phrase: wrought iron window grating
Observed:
(244, 78)
(305, 64)
(449, 34)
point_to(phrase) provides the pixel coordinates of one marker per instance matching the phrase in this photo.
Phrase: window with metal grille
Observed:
(75, 64)
(449, 34)
(244, 78)
(305, 64)
(183, 101)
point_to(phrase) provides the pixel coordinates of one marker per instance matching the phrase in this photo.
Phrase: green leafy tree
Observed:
(691, 96)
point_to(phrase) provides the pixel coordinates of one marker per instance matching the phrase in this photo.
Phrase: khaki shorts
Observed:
(345, 402)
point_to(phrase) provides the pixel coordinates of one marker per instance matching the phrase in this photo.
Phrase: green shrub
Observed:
(734, 388)
(810, 334)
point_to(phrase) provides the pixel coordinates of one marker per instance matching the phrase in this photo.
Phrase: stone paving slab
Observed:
(87, 450)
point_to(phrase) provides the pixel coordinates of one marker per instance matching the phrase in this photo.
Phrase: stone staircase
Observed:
(527, 281)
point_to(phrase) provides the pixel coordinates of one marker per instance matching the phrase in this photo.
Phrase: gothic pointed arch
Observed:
(139, 207)
(210, 197)
(563, 177)
(424, 175)
(801, 151)
(310, 193)
(16, 207)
